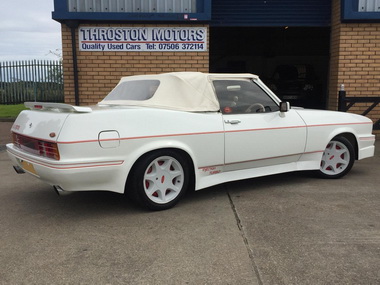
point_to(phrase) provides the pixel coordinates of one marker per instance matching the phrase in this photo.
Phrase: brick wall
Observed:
(99, 72)
(354, 61)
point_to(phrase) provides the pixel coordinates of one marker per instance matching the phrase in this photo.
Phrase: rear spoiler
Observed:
(59, 107)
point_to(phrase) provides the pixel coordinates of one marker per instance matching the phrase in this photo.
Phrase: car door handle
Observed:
(232, 122)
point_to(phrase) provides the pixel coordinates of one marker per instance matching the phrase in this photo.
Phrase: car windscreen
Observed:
(138, 90)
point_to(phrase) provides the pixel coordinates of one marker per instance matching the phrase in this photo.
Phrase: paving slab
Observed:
(305, 230)
(100, 238)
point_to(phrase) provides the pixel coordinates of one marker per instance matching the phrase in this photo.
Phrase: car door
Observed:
(257, 134)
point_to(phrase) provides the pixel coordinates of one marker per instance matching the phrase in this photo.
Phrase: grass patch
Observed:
(11, 111)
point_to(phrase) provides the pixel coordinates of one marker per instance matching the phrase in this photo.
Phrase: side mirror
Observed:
(284, 107)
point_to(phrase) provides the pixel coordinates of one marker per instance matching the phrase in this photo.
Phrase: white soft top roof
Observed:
(184, 91)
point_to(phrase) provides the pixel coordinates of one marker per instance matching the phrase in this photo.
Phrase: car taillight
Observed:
(36, 146)
(48, 149)
(15, 140)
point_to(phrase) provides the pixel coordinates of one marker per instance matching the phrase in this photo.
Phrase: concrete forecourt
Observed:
(283, 229)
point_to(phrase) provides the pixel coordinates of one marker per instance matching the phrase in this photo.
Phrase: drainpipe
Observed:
(73, 25)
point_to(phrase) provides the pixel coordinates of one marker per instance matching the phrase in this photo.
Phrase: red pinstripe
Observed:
(198, 133)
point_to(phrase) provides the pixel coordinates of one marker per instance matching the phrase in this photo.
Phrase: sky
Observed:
(27, 30)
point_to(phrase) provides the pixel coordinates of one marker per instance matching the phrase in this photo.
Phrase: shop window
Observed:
(369, 6)
(360, 11)
(132, 10)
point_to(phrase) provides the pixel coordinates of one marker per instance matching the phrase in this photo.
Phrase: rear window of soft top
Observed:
(138, 90)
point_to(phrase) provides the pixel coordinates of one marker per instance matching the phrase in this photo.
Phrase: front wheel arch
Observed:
(352, 139)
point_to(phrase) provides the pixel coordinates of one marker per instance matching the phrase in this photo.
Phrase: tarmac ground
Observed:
(282, 229)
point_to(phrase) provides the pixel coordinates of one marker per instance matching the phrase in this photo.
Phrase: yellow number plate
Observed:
(28, 167)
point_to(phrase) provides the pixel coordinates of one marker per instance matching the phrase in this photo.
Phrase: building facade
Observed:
(296, 47)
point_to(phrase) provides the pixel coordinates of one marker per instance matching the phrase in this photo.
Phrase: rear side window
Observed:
(138, 90)
(242, 97)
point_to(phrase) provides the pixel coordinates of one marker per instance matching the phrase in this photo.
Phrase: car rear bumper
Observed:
(71, 176)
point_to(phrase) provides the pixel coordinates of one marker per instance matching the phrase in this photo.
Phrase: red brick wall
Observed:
(99, 72)
(355, 61)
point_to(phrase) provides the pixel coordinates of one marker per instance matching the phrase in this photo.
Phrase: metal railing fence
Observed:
(345, 103)
(33, 80)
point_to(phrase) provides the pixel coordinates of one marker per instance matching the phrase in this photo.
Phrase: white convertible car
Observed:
(155, 136)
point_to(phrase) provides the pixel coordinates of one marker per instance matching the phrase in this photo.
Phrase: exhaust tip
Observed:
(58, 190)
(18, 169)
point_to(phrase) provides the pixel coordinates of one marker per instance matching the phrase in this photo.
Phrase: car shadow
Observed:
(98, 203)
(78, 203)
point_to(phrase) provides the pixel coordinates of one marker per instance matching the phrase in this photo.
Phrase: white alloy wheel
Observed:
(163, 180)
(159, 179)
(337, 159)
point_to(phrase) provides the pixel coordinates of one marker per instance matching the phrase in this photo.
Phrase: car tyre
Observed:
(159, 179)
(337, 159)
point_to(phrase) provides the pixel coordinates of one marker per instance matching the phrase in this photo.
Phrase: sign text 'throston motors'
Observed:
(142, 39)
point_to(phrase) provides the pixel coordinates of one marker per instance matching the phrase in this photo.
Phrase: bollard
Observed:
(342, 99)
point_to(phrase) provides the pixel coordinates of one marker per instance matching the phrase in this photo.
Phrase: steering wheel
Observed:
(248, 110)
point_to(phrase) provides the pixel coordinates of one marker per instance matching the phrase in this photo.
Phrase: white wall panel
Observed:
(133, 6)
(369, 6)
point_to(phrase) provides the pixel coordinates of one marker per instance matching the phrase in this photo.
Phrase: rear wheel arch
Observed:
(134, 175)
(182, 152)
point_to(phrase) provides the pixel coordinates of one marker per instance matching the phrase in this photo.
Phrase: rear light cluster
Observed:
(36, 146)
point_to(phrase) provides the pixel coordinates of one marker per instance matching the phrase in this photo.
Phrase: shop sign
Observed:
(143, 39)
